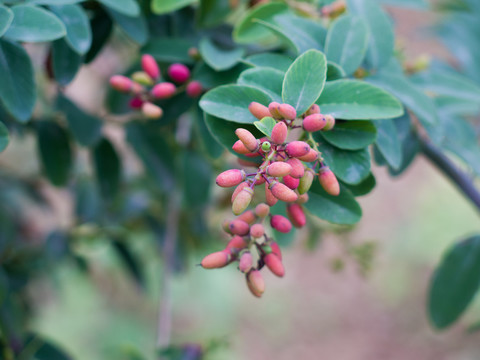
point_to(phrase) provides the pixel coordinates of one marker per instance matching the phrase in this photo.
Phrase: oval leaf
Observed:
(270, 60)
(6, 18)
(270, 81)
(135, 27)
(217, 58)
(108, 168)
(65, 62)
(125, 7)
(166, 6)
(388, 142)
(351, 135)
(79, 34)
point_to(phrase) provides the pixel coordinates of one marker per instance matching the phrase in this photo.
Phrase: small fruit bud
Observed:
(136, 103)
(247, 138)
(242, 200)
(314, 109)
(255, 283)
(231, 177)
(274, 264)
(276, 249)
(194, 53)
(269, 198)
(246, 262)
(236, 243)
(330, 123)
(314, 122)
(279, 133)
(329, 181)
(239, 227)
(281, 223)
(297, 168)
(279, 169)
(297, 148)
(311, 156)
(151, 111)
(239, 188)
(179, 73)
(282, 192)
(287, 111)
(262, 210)
(150, 66)
(306, 181)
(121, 83)
(302, 199)
(194, 89)
(142, 78)
(296, 215)
(216, 260)
(258, 110)
(291, 182)
(248, 216)
(257, 231)
(163, 90)
(266, 147)
(273, 109)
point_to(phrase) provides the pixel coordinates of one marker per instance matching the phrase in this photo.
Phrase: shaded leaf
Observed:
(79, 34)
(108, 168)
(351, 135)
(217, 58)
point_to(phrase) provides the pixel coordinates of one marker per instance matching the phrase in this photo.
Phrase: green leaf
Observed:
(351, 135)
(65, 62)
(341, 209)
(347, 42)
(455, 282)
(55, 152)
(125, 7)
(304, 80)
(210, 78)
(85, 128)
(358, 100)
(6, 18)
(17, 91)
(169, 50)
(217, 58)
(79, 34)
(381, 39)
(197, 179)
(270, 60)
(166, 6)
(135, 27)
(409, 143)
(364, 187)
(131, 262)
(270, 81)
(334, 71)
(231, 102)
(34, 24)
(388, 142)
(53, 2)
(101, 26)
(108, 168)
(265, 125)
(209, 144)
(213, 12)
(47, 350)
(4, 137)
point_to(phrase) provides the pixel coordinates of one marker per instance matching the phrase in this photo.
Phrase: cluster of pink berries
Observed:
(287, 171)
(147, 86)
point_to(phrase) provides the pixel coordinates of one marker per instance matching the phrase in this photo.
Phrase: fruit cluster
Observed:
(287, 171)
(147, 86)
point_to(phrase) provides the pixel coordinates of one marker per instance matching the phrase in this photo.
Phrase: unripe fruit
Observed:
(247, 138)
(246, 262)
(151, 111)
(164, 90)
(279, 133)
(296, 215)
(314, 109)
(239, 227)
(258, 110)
(329, 181)
(257, 231)
(121, 83)
(276, 249)
(330, 122)
(287, 111)
(273, 109)
(297, 148)
(274, 264)
(150, 66)
(236, 243)
(306, 181)
(142, 78)
(136, 103)
(311, 156)
(297, 168)
(302, 199)
(216, 260)
(266, 146)
(282, 192)
(291, 182)
(248, 216)
(279, 169)
(239, 148)
(239, 188)
(269, 197)
(194, 53)
(179, 73)
(194, 89)
(314, 122)
(262, 210)
(242, 200)
(226, 226)
(231, 177)
(255, 283)
(281, 223)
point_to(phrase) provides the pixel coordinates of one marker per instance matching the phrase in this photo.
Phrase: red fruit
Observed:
(276, 249)
(281, 223)
(238, 189)
(287, 111)
(216, 260)
(314, 122)
(306, 181)
(136, 103)
(150, 66)
(330, 123)
(246, 262)
(152, 111)
(279, 133)
(291, 182)
(329, 181)
(283, 192)
(258, 110)
(163, 90)
(255, 283)
(239, 227)
(273, 109)
(247, 138)
(231, 177)
(237, 243)
(121, 83)
(239, 148)
(278, 169)
(269, 197)
(247, 216)
(242, 200)
(297, 148)
(312, 155)
(296, 215)
(274, 264)
(314, 109)
(179, 73)
(297, 168)
(257, 231)
(194, 89)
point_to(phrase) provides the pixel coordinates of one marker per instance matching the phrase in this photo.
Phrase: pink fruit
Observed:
(179, 73)
(194, 89)
(216, 260)
(255, 283)
(238, 189)
(278, 169)
(311, 156)
(297, 148)
(257, 231)
(296, 215)
(279, 133)
(281, 223)
(297, 168)
(274, 264)
(291, 182)
(242, 200)
(150, 66)
(121, 83)
(273, 109)
(239, 227)
(246, 262)
(163, 90)
(232, 177)
(262, 210)
(247, 138)
(287, 111)
(258, 110)
(248, 216)
(314, 122)
(269, 197)
(329, 181)
(136, 103)
(314, 109)
(283, 192)
(237, 243)
(151, 111)
(276, 249)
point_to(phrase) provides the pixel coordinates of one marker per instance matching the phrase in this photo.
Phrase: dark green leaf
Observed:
(217, 58)
(108, 168)
(4, 137)
(101, 26)
(169, 50)
(351, 135)
(270, 81)
(213, 12)
(87, 201)
(197, 179)
(265, 125)
(79, 34)
(270, 60)
(211, 146)
(166, 6)
(388, 142)
(364, 187)
(135, 27)
(409, 143)
(125, 7)
(131, 262)
(210, 78)
(334, 71)
(65, 62)
(48, 351)
(6, 18)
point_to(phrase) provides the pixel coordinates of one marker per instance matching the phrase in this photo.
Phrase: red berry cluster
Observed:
(147, 86)
(287, 171)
